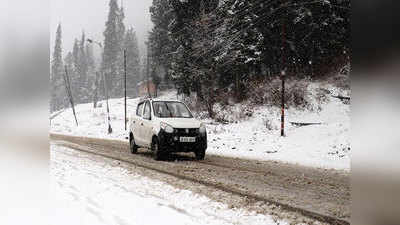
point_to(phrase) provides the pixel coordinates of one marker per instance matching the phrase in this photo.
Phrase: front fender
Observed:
(156, 128)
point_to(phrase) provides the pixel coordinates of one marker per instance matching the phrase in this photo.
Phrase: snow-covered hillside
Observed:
(326, 145)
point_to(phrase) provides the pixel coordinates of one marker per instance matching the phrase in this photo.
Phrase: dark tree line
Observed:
(208, 46)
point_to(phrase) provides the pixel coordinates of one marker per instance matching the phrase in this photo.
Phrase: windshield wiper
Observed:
(170, 113)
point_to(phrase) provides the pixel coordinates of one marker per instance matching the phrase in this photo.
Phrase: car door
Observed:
(146, 123)
(136, 124)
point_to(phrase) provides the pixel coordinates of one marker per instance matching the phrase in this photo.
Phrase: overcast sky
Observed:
(91, 15)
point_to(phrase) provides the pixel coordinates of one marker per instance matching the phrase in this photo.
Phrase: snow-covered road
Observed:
(89, 189)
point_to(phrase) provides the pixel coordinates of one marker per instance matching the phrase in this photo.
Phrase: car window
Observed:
(146, 113)
(171, 110)
(139, 110)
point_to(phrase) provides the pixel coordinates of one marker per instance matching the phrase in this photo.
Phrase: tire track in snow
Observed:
(87, 144)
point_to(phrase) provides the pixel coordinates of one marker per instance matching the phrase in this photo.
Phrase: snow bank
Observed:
(258, 137)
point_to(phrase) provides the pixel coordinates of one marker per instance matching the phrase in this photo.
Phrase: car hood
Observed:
(181, 122)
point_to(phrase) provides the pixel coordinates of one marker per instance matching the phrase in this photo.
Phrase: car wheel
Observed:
(200, 154)
(132, 145)
(157, 154)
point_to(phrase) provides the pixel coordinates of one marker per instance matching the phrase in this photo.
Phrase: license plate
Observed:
(187, 139)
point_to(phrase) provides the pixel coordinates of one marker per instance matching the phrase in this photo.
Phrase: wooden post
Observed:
(108, 107)
(148, 69)
(95, 94)
(125, 86)
(283, 105)
(69, 93)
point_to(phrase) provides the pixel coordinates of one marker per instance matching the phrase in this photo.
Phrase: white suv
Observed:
(166, 126)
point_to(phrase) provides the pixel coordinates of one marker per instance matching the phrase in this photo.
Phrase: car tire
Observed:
(155, 148)
(200, 154)
(132, 145)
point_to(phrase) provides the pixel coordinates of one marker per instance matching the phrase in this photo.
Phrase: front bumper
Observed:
(170, 142)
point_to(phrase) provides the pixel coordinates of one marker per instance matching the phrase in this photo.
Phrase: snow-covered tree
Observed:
(163, 44)
(70, 66)
(114, 34)
(208, 46)
(74, 73)
(118, 81)
(112, 45)
(75, 55)
(315, 33)
(83, 65)
(56, 73)
(69, 61)
(91, 64)
(82, 82)
(239, 43)
(133, 61)
(183, 32)
(203, 66)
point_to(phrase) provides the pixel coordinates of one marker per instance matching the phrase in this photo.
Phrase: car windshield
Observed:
(171, 110)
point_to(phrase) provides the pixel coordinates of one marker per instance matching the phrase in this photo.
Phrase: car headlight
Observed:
(202, 129)
(166, 127)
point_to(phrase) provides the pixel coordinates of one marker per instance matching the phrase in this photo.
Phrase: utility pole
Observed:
(69, 93)
(108, 107)
(125, 85)
(283, 104)
(148, 69)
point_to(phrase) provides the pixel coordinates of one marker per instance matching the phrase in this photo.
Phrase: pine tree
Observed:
(70, 65)
(240, 43)
(183, 32)
(118, 85)
(163, 45)
(82, 86)
(91, 64)
(112, 54)
(91, 74)
(69, 61)
(317, 32)
(209, 45)
(156, 81)
(203, 69)
(75, 56)
(83, 65)
(75, 71)
(133, 61)
(57, 73)
(111, 48)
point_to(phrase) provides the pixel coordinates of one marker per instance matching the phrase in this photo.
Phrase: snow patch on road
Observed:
(87, 189)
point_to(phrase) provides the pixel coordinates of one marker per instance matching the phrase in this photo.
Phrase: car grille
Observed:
(186, 132)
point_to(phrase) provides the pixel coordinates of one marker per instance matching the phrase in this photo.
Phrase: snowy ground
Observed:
(93, 122)
(324, 146)
(87, 189)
